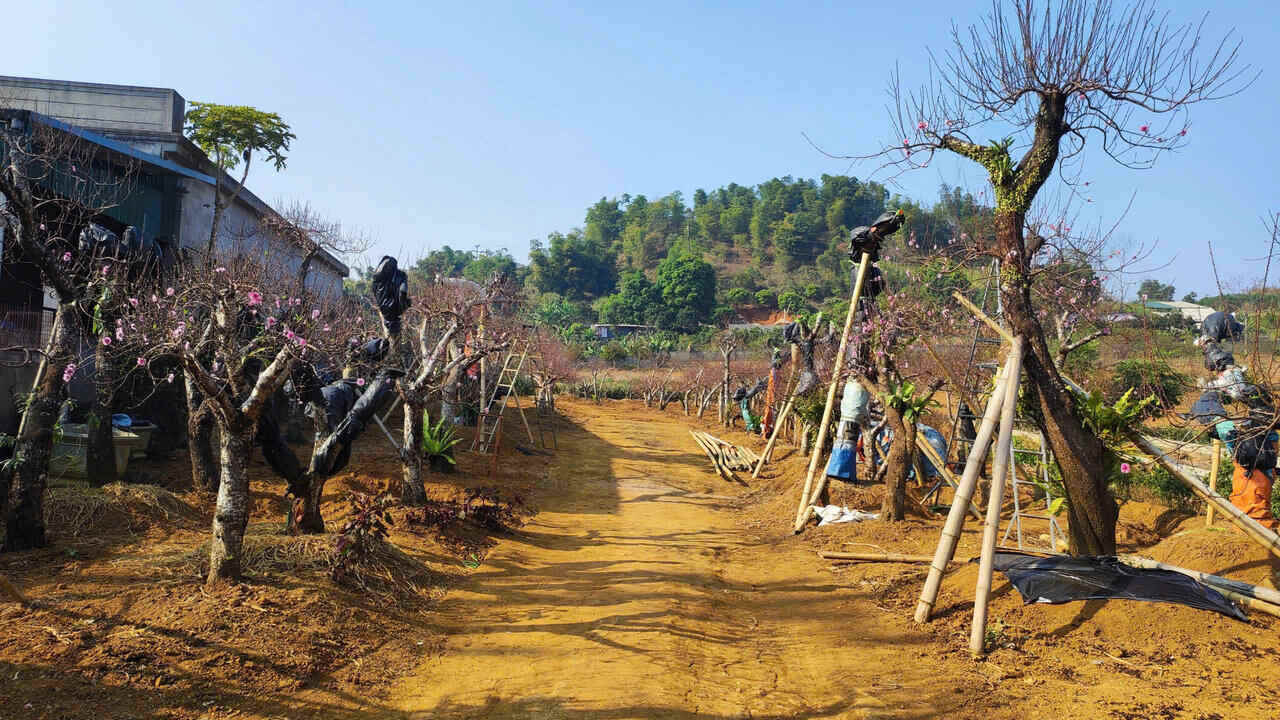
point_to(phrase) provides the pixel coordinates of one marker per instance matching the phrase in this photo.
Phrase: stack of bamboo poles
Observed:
(725, 457)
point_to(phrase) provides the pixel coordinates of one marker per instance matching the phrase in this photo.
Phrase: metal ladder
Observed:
(503, 391)
(977, 384)
(1016, 483)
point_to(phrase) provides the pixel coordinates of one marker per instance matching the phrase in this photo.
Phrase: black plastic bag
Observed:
(391, 292)
(1062, 579)
(1220, 326)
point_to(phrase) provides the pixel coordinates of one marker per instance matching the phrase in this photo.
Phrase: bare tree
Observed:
(1050, 80)
(52, 185)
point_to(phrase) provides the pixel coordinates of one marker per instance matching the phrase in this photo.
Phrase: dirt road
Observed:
(637, 593)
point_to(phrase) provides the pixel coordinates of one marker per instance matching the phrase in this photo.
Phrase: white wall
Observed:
(241, 235)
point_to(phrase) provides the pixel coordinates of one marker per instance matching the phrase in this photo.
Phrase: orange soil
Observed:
(644, 587)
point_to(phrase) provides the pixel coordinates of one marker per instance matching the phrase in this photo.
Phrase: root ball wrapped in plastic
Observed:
(391, 292)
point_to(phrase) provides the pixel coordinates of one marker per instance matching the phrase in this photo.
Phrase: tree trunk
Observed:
(1092, 511)
(231, 514)
(897, 465)
(200, 426)
(100, 455)
(412, 491)
(24, 506)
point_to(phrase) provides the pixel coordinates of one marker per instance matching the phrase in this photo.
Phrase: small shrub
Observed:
(1149, 377)
(360, 537)
(438, 443)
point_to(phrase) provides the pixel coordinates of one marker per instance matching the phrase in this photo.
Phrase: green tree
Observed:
(573, 266)
(637, 302)
(688, 287)
(767, 298)
(231, 134)
(791, 302)
(1156, 290)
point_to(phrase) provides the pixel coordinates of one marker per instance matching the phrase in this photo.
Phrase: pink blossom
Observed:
(315, 314)
(905, 142)
(1124, 468)
(219, 269)
(255, 297)
(289, 334)
(168, 292)
(1182, 133)
(66, 256)
(154, 299)
(922, 125)
(133, 302)
(106, 269)
(326, 328)
(1143, 129)
(270, 321)
(119, 333)
(169, 377)
(142, 362)
(106, 339)
(360, 382)
(186, 346)
(302, 342)
(68, 371)
(41, 226)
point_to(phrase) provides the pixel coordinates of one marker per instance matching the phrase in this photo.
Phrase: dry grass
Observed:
(74, 508)
(269, 551)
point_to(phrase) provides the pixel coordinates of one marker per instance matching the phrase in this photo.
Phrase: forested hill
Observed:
(782, 243)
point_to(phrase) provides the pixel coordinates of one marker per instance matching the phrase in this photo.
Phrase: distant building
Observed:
(1189, 311)
(144, 125)
(608, 331)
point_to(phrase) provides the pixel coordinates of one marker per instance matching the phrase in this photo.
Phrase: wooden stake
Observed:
(879, 557)
(1213, 479)
(802, 514)
(964, 491)
(1251, 527)
(991, 528)
(773, 437)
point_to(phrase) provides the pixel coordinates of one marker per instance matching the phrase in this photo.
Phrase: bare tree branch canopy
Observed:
(1040, 81)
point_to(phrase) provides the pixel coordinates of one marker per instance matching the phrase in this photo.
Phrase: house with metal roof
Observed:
(1189, 311)
(144, 125)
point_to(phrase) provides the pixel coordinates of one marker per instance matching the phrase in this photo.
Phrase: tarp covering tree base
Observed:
(1063, 579)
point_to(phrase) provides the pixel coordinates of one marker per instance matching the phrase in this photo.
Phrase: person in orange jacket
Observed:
(1254, 476)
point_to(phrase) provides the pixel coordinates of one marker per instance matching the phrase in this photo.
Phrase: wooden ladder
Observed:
(487, 428)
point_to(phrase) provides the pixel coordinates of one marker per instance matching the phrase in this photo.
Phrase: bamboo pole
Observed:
(923, 444)
(1251, 527)
(801, 515)
(991, 528)
(773, 437)
(1218, 582)
(982, 316)
(964, 492)
(1213, 479)
(879, 557)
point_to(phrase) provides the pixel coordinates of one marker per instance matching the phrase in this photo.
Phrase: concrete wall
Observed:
(97, 107)
(241, 235)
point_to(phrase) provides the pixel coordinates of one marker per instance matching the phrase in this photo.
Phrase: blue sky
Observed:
(490, 124)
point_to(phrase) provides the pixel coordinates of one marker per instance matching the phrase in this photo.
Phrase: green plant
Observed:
(366, 528)
(903, 399)
(1110, 421)
(438, 441)
(1153, 377)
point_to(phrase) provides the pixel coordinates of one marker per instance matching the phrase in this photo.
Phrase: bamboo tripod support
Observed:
(964, 492)
(991, 528)
(801, 515)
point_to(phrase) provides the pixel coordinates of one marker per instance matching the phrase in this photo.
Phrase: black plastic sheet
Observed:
(1062, 579)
